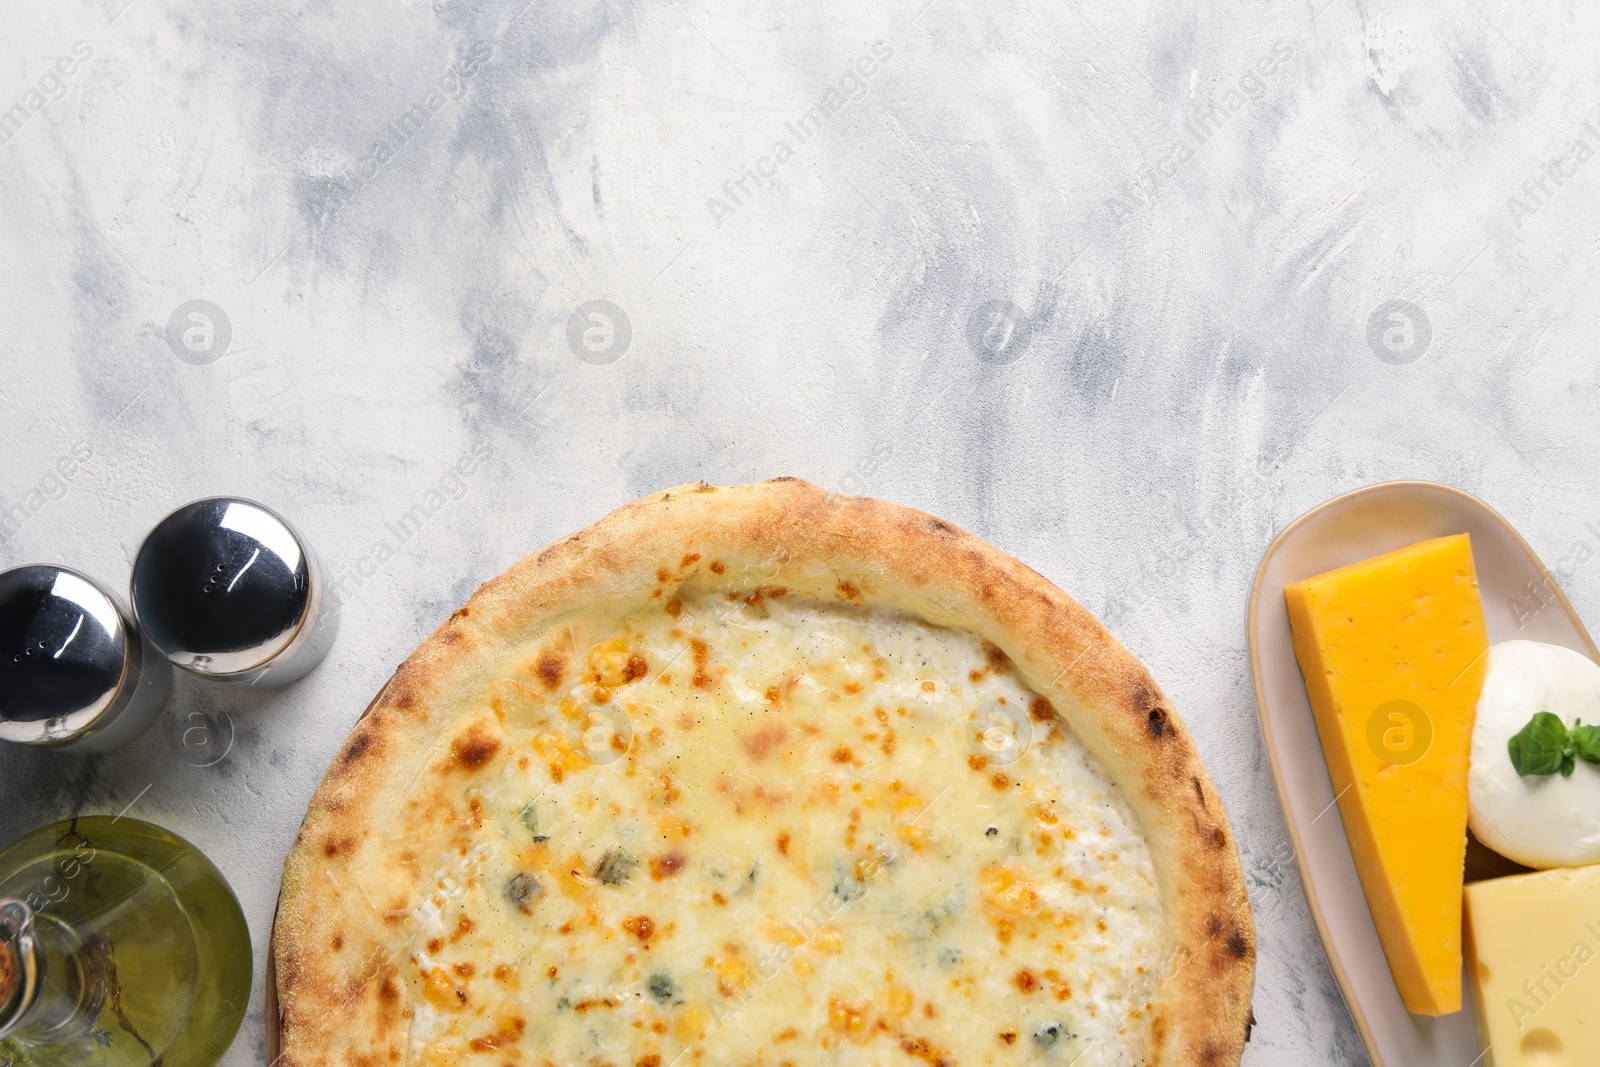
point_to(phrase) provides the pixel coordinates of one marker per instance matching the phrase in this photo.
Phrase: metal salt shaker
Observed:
(74, 669)
(227, 589)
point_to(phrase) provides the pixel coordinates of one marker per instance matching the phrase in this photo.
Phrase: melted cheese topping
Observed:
(774, 831)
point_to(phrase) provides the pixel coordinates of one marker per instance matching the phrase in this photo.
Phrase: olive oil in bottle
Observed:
(121, 945)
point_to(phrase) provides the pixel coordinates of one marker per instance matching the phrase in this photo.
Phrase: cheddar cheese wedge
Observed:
(1394, 651)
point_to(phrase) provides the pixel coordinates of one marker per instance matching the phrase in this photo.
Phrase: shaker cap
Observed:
(64, 656)
(221, 585)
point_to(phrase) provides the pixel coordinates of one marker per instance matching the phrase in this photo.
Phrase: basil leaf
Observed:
(1541, 747)
(1586, 742)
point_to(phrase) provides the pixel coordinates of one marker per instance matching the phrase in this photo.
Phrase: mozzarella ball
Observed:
(1539, 821)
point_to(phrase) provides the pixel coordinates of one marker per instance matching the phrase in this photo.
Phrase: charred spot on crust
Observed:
(784, 478)
(1238, 944)
(461, 613)
(1041, 710)
(335, 845)
(635, 669)
(1200, 792)
(388, 991)
(337, 942)
(1160, 725)
(940, 526)
(717, 567)
(1218, 838)
(1147, 700)
(689, 559)
(550, 667)
(848, 591)
(474, 749)
(359, 746)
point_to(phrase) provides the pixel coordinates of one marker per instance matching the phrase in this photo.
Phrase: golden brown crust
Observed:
(340, 1001)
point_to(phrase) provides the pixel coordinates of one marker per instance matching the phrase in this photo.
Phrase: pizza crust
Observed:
(339, 996)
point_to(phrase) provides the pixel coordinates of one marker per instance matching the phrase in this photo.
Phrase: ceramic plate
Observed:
(1520, 600)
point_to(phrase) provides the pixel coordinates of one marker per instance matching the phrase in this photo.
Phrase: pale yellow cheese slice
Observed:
(1535, 975)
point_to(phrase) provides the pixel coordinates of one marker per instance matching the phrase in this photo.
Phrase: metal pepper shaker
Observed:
(74, 669)
(226, 588)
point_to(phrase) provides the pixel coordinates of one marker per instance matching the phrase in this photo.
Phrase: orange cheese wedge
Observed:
(1394, 651)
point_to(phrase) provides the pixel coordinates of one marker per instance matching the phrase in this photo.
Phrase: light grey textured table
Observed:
(1196, 220)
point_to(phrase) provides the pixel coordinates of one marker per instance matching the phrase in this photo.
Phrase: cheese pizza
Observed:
(765, 775)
